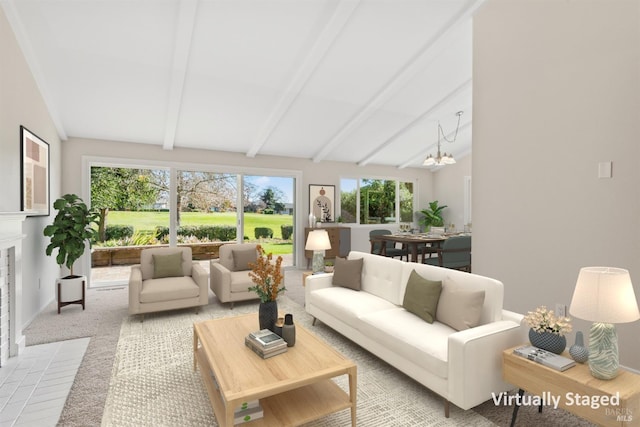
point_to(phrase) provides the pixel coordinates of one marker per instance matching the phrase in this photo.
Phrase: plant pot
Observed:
(70, 290)
(548, 341)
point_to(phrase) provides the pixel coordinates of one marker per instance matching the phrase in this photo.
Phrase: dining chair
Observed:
(455, 253)
(386, 248)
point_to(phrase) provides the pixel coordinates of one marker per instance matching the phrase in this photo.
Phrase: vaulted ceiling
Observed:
(359, 81)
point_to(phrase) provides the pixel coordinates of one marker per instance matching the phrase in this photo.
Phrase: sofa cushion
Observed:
(425, 344)
(168, 289)
(243, 256)
(421, 296)
(381, 276)
(146, 259)
(225, 253)
(346, 304)
(167, 265)
(240, 281)
(347, 273)
(458, 307)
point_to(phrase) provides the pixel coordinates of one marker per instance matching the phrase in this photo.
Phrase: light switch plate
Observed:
(604, 170)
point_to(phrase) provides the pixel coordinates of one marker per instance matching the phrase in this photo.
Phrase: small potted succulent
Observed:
(328, 266)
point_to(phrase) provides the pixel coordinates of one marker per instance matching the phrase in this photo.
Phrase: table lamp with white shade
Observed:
(318, 242)
(604, 295)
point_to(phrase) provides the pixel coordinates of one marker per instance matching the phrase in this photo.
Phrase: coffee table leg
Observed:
(516, 407)
(195, 349)
(353, 393)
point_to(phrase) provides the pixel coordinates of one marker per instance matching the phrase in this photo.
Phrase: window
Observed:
(406, 202)
(153, 205)
(376, 201)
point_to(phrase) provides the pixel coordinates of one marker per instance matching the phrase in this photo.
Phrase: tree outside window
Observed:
(374, 201)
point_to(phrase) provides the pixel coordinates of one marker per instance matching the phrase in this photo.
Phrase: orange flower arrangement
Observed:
(267, 276)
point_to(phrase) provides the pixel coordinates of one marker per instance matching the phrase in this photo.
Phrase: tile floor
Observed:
(35, 384)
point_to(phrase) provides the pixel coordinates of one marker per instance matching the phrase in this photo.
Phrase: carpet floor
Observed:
(130, 369)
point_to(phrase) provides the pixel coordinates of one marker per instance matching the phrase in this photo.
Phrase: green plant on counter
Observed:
(432, 216)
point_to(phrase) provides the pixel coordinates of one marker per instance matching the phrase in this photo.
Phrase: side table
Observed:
(608, 403)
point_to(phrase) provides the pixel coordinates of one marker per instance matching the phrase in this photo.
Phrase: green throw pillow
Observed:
(347, 272)
(167, 265)
(421, 296)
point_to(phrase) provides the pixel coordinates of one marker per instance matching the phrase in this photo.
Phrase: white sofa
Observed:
(464, 367)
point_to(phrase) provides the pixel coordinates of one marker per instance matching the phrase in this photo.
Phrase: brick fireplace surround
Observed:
(12, 341)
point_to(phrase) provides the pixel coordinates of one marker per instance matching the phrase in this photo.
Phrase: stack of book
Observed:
(248, 411)
(265, 343)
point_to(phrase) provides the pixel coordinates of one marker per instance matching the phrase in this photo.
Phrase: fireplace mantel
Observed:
(10, 228)
(11, 236)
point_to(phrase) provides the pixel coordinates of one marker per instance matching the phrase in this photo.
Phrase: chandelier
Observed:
(442, 159)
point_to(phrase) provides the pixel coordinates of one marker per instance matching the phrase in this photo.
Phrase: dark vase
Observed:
(289, 330)
(268, 314)
(548, 341)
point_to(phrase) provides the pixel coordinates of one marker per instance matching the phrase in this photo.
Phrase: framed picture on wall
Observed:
(322, 202)
(34, 171)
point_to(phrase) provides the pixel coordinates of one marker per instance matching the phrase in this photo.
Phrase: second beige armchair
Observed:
(229, 274)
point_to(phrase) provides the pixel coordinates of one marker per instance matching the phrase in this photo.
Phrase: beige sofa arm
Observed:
(135, 286)
(200, 276)
(220, 280)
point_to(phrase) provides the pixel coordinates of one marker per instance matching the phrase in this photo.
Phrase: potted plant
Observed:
(267, 277)
(328, 266)
(432, 216)
(70, 231)
(546, 330)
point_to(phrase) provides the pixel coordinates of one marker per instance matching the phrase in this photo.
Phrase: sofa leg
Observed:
(231, 306)
(314, 322)
(446, 408)
(142, 318)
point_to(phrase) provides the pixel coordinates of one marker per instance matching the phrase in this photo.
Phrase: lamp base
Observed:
(603, 351)
(317, 262)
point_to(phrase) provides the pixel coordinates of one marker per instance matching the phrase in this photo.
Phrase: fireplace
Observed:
(11, 339)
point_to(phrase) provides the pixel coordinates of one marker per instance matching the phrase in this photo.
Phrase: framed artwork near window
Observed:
(322, 202)
(34, 171)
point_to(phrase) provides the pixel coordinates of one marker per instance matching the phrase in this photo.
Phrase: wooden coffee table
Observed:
(294, 387)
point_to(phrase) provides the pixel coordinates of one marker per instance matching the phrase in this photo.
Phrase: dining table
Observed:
(412, 240)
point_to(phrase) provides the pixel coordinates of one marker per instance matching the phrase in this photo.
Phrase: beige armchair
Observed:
(229, 274)
(166, 279)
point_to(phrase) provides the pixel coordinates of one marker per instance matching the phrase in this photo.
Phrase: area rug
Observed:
(153, 382)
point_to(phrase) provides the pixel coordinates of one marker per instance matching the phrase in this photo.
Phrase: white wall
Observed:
(448, 185)
(556, 90)
(22, 104)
